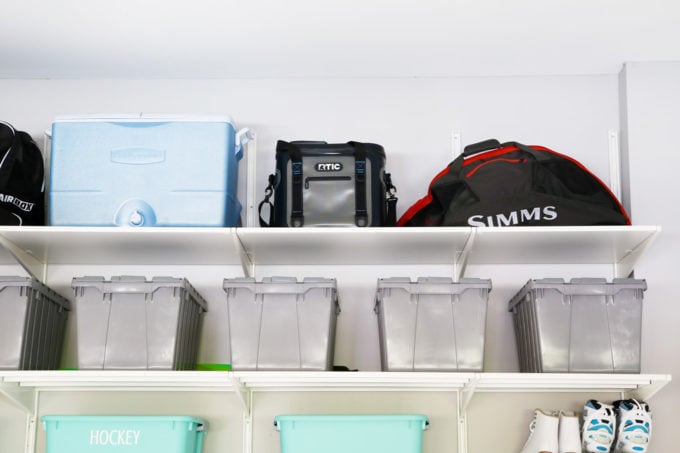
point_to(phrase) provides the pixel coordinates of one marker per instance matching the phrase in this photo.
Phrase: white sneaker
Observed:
(569, 438)
(543, 433)
(599, 422)
(634, 421)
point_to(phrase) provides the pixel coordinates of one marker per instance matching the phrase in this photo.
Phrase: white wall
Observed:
(414, 119)
(653, 149)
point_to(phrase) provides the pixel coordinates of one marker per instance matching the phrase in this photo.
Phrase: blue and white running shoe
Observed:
(598, 429)
(634, 420)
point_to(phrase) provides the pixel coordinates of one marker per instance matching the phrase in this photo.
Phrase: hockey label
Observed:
(328, 166)
(114, 437)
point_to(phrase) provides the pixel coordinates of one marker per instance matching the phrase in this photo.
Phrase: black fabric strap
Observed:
(361, 214)
(391, 212)
(267, 195)
(297, 218)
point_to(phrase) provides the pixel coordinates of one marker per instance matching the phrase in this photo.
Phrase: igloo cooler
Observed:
(145, 170)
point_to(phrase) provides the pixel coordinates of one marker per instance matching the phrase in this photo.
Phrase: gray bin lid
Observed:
(579, 287)
(280, 285)
(36, 285)
(134, 284)
(433, 285)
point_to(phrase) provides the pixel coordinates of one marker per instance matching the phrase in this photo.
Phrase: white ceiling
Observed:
(331, 38)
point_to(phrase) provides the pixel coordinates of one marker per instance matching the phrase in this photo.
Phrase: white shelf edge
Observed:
(575, 381)
(326, 381)
(251, 246)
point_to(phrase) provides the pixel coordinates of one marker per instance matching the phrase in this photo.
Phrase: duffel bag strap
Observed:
(361, 213)
(268, 192)
(11, 142)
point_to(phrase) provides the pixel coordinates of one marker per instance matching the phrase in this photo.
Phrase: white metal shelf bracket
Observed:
(246, 263)
(243, 395)
(625, 266)
(33, 266)
(21, 398)
(467, 393)
(464, 397)
(461, 260)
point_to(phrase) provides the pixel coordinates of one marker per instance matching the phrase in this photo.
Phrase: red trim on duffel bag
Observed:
(510, 161)
(580, 165)
(488, 154)
(420, 204)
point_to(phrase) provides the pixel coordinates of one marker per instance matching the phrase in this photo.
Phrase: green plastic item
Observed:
(213, 367)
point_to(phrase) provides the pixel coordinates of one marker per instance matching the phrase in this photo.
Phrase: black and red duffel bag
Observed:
(493, 184)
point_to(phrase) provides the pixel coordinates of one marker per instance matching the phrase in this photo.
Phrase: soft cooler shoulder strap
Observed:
(297, 218)
(361, 214)
(268, 192)
(391, 214)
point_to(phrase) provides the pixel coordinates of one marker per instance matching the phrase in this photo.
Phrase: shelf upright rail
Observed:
(27, 401)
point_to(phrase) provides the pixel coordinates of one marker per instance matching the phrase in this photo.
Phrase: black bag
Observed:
(22, 188)
(507, 184)
(321, 184)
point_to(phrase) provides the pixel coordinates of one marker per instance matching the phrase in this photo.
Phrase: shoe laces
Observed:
(532, 424)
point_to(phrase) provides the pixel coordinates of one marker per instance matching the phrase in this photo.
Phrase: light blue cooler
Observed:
(123, 434)
(145, 170)
(356, 433)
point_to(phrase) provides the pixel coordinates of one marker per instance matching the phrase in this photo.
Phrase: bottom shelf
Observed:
(241, 406)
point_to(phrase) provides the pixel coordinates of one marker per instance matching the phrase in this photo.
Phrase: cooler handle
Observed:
(242, 137)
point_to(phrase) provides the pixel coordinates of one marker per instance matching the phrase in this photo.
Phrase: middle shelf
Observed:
(38, 247)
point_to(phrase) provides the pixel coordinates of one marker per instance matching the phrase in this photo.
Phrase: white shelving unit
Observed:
(37, 248)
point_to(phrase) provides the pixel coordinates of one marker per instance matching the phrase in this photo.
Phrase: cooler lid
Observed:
(142, 117)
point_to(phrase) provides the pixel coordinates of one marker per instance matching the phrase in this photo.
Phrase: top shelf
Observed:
(43, 246)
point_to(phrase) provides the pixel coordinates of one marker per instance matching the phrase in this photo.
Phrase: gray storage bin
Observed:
(282, 324)
(432, 324)
(586, 325)
(131, 323)
(32, 324)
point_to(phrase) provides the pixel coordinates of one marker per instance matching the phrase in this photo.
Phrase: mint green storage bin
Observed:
(123, 434)
(355, 433)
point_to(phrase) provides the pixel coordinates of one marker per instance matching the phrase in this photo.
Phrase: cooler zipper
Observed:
(325, 178)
